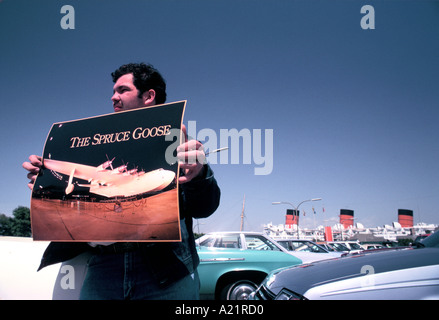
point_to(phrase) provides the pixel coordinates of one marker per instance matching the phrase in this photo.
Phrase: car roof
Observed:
(219, 233)
(299, 240)
(233, 232)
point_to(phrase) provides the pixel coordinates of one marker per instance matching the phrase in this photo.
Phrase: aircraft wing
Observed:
(85, 172)
(111, 183)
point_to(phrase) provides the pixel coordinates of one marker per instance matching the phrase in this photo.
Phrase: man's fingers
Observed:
(190, 145)
(190, 172)
(191, 152)
(183, 128)
(32, 176)
(191, 157)
(36, 160)
(33, 166)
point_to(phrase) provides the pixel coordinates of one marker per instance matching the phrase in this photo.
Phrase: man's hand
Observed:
(191, 157)
(33, 166)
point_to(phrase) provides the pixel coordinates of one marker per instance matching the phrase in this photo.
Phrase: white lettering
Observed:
(368, 21)
(257, 151)
(68, 21)
(367, 280)
(245, 146)
(67, 281)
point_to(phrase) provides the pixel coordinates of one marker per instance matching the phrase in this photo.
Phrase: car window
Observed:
(208, 242)
(229, 241)
(432, 240)
(355, 246)
(316, 248)
(304, 246)
(256, 242)
(222, 241)
(338, 247)
(285, 244)
(299, 246)
(327, 247)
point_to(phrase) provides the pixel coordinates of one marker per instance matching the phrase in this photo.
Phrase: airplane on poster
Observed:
(113, 182)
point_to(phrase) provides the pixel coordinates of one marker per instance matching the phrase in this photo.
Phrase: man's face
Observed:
(125, 95)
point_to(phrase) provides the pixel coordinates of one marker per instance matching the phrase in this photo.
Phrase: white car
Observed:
(258, 241)
(307, 250)
(402, 274)
(353, 246)
(372, 246)
(239, 240)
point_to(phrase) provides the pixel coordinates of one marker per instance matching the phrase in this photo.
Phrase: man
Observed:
(145, 270)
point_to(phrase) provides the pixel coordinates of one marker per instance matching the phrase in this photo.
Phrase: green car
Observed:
(233, 264)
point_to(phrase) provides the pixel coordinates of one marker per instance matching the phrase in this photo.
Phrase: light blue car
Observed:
(233, 264)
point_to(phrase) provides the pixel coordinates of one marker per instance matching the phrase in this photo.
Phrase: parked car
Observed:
(324, 245)
(233, 264)
(307, 251)
(372, 246)
(404, 273)
(353, 246)
(421, 237)
(240, 240)
(338, 247)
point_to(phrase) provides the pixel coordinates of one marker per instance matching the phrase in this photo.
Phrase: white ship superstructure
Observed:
(346, 229)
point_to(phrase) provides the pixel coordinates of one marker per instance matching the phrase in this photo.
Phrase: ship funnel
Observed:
(292, 217)
(347, 218)
(405, 218)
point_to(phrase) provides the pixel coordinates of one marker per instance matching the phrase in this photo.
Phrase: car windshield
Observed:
(327, 247)
(306, 246)
(257, 242)
(316, 248)
(355, 246)
(432, 240)
(338, 247)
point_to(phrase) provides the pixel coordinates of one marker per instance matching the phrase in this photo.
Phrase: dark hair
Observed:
(145, 77)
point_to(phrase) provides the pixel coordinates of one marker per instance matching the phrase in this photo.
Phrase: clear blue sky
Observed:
(354, 112)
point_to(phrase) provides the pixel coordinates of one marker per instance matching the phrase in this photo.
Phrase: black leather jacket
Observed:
(170, 261)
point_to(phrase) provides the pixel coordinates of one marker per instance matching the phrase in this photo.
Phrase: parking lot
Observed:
(235, 264)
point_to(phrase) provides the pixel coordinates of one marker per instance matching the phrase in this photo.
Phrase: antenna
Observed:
(242, 215)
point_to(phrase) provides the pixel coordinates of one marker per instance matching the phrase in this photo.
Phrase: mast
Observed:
(242, 215)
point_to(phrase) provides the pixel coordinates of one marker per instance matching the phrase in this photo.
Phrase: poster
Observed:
(110, 178)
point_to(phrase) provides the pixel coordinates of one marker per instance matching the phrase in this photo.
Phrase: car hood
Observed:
(308, 257)
(301, 278)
